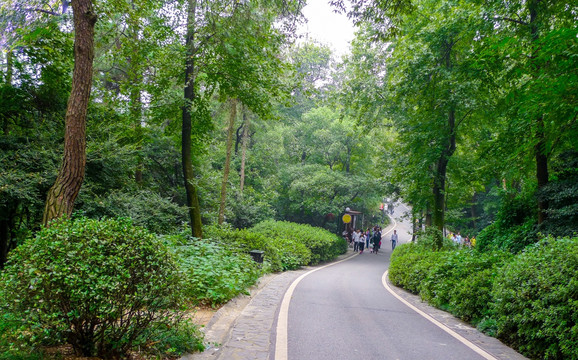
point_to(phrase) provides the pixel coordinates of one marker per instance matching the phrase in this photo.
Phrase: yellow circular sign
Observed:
(346, 218)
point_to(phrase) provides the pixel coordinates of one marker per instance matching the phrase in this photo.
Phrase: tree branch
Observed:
(562, 131)
(354, 196)
(511, 20)
(49, 12)
(464, 117)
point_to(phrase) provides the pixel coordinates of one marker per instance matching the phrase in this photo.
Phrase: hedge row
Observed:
(287, 245)
(213, 272)
(320, 243)
(529, 300)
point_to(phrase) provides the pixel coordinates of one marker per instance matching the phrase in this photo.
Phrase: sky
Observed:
(324, 25)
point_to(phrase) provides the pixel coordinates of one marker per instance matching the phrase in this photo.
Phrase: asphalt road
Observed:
(344, 312)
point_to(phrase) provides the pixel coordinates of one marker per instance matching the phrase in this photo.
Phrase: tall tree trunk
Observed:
(187, 159)
(244, 144)
(438, 215)
(446, 154)
(239, 135)
(63, 193)
(428, 217)
(227, 167)
(414, 223)
(540, 152)
(9, 66)
(441, 172)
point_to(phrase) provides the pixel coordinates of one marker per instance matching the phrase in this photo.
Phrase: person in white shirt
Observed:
(393, 240)
(356, 240)
(458, 239)
(361, 241)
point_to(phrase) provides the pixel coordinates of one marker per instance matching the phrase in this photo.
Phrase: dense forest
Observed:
(200, 112)
(197, 116)
(252, 135)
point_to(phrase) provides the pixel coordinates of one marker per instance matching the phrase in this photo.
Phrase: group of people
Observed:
(369, 239)
(464, 241)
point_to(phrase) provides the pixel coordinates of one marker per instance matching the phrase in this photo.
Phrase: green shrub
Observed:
(293, 253)
(11, 346)
(410, 264)
(431, 238)
(245, 241)
(529, 300)
(461, 281)
(324, 245)
(250, 208)
(485, 240)
(561, 193)
(281, 253)
(101, 286)
(440, 279)
(536, 300)
(214, 273)
(471, 298)
(514, 228)
(514, 239)
(171, 341)
(287, 245)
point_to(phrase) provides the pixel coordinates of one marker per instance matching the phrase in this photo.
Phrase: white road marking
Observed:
(390, 230)
(283, 319)
(460, 338)
(281, 347)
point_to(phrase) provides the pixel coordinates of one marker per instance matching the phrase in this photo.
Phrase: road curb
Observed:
(242, 328)
(485, 342)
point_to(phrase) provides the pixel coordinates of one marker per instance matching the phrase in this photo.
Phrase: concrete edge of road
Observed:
(218, 329)
(282, 323)
(487, 344)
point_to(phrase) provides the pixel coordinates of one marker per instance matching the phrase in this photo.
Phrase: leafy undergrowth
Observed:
(528, 300)
(214, 272)
(108, 289)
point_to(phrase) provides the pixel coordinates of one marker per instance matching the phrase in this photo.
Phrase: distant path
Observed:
(344, 312)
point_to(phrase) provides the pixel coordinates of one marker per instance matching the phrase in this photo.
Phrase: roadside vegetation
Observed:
(199, 131)
(529, 300)
(109, 288)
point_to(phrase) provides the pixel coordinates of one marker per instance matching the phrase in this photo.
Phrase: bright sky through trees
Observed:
(327, 26)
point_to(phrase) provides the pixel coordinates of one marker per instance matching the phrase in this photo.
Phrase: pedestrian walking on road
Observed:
(393, 240)
(376, 240)
(361, 241)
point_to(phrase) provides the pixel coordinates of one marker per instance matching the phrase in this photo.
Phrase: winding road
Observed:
(344, 311)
